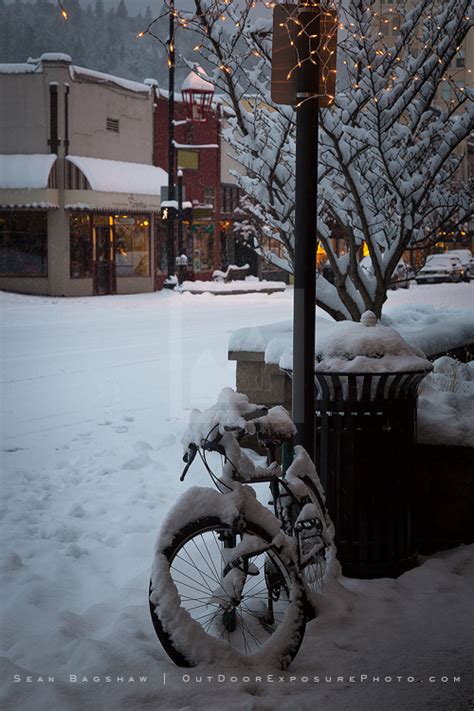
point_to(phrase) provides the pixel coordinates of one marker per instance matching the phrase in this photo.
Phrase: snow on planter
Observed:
(446, 404)
(368, 347)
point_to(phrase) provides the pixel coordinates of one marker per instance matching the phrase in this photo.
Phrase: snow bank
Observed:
(249, 284)
(432, 330)
(424, 327)
(446, 404)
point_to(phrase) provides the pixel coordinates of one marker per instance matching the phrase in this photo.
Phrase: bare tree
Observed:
(390, 150)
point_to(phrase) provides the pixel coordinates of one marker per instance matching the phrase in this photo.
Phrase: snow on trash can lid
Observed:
(368, 347)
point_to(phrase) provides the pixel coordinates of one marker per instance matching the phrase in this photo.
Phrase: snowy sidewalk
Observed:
(96, 394)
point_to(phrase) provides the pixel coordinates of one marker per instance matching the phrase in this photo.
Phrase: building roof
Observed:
(35, 65)
(91, 75)
(116, 176)
(25, 170)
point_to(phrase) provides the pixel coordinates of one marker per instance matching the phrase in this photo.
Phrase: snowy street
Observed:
(96, 393)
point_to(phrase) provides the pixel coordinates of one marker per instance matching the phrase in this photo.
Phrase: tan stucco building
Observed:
(78, 191)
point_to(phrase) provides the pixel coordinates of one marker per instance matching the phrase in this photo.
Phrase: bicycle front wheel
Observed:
(215, 593)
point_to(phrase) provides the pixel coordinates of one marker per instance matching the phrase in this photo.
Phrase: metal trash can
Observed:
(365, 438)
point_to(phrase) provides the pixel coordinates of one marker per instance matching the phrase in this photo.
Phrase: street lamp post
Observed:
(182, 260)
(170, 250)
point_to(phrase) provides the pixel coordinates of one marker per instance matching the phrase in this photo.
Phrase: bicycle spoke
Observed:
(258, 644)
(213, 568)
(191, 587)
(193, 565)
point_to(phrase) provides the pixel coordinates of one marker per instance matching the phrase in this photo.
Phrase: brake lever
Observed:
(189, 457)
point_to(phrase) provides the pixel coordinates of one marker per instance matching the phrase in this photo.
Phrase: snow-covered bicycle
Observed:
(231, 579)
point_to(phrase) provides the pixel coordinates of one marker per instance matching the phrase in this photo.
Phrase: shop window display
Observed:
(132, 245)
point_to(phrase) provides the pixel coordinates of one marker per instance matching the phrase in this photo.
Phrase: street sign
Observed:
(289, 21)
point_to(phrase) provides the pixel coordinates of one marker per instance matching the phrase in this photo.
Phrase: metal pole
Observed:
(304, 308)
(170, 251)
(180, 225)
(180, 212)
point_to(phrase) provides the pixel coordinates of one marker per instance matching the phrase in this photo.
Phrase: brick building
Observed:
(203, 157)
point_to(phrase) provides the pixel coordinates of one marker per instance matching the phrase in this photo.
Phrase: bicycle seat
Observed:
(275, 426)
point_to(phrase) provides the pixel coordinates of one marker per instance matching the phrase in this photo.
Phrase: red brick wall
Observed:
(208, 173)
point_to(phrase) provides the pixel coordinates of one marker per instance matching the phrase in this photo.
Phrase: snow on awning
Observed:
(115, 176)
(24, 181)
(30, 171)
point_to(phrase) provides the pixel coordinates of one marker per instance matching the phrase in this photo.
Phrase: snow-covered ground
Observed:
(95, 396)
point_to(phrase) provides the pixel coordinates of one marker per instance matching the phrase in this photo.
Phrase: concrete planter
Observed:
(444, 497)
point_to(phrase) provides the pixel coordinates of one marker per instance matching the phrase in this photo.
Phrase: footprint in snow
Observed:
(11, 563)
(77, 511)
(121, 429)
(105, 423)
(75, 551)
(127, 418)
(142, 446)
(138, 462)
(167, 441)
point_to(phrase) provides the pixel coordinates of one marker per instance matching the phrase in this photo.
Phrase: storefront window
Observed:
(81, 246)
(203, 246)
(132, 245)
(24, 243)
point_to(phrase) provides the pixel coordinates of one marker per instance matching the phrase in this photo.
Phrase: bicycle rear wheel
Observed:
(216, 593)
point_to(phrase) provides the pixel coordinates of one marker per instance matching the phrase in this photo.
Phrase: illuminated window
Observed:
(132, 245)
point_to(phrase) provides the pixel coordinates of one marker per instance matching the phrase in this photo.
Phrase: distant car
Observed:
(467, 261)
(400, 277)
(440, 268)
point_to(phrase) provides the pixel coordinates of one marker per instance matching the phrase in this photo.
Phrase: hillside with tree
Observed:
(105, 40)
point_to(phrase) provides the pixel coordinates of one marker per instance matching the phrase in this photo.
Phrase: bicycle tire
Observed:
(175, 629)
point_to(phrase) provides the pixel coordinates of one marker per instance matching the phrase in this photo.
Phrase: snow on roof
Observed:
(29, 205)
(116, 176)
(19, 68)
(79, 73)
(54, 57)
(195, 81)
(25, 170)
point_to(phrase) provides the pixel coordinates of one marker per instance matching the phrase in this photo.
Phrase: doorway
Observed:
(104, 258)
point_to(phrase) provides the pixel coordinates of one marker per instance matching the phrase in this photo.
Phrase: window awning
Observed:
(115, 176)
(24, 180)
(25, 171)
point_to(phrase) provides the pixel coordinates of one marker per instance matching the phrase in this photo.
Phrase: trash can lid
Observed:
(368, 347)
